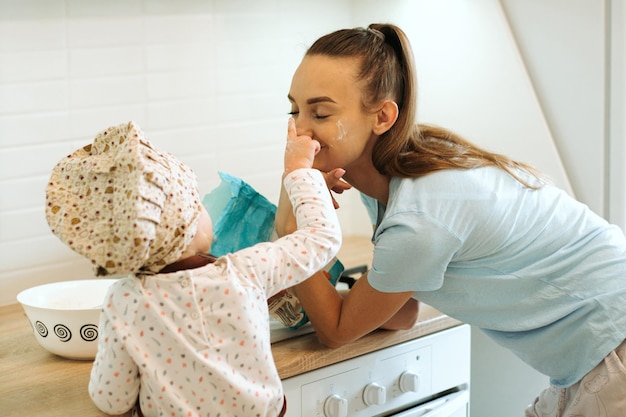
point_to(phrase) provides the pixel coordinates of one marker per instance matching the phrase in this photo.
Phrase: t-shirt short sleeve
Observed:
(412, 252)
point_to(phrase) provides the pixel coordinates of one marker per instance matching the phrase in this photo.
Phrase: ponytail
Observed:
(406, 149)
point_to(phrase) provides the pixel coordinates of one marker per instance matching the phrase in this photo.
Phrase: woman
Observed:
(477, 235)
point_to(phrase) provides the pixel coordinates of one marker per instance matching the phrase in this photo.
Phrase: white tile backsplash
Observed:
(206, 79)
(32, 9)
(34, 128)
(33, 65)
(37, 34)
(178, 7)
(22, 194)
(174, 29)
(27, 97)
(84, 124)
(191, 55)
(184, 84)
(95, 8)
(172, 114)
(22, 224)
(102, 61)
(30, 161)
(48, 249)
(98, 31)
(106, 91)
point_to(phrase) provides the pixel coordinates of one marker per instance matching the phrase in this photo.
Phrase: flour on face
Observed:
(342, 132)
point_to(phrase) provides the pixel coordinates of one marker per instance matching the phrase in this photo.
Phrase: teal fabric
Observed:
(241, 216)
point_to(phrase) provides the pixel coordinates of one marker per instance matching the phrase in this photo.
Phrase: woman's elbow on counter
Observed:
(405, 318)
(334, 341)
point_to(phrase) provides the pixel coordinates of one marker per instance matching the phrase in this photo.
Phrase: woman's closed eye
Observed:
(315, 115)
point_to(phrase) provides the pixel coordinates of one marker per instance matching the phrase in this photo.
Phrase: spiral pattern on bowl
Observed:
(41, 328)
(89, 332)
(63, 332)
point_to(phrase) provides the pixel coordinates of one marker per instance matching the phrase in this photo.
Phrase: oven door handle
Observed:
(441, 407)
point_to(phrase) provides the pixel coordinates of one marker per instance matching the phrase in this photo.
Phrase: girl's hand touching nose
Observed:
(300, 150)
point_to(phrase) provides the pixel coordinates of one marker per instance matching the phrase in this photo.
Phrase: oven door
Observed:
(451, 405)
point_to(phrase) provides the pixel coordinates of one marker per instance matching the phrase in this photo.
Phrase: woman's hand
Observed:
(335, 183)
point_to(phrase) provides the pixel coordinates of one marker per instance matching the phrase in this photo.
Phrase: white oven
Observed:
(424, 377)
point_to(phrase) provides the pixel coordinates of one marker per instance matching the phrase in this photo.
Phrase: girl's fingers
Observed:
(291, 129)
(316, 146)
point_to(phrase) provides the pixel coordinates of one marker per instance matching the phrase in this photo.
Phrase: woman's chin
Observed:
(323, 164)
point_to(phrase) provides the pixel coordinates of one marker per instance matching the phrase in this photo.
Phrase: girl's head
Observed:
(125, 205)
(356, 87)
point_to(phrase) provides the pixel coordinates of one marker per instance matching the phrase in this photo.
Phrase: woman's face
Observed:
(326, 103)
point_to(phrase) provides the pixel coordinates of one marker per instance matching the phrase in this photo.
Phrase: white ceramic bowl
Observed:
(65, 315)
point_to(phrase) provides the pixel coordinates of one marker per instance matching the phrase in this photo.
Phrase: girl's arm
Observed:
(114, 381)
(285, 222)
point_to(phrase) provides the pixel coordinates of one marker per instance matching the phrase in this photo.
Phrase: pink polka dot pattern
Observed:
(196, 342)
(123, 204)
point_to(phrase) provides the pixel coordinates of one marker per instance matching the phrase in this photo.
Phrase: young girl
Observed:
(477, 235)
(184, 334)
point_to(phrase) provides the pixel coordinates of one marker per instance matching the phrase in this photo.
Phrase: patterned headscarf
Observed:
(123, 204)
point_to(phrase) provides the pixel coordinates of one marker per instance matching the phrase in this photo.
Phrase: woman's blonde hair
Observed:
(407, 149)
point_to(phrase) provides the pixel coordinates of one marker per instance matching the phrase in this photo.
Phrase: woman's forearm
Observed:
(339, 320)
(285, 220)
(322, 304)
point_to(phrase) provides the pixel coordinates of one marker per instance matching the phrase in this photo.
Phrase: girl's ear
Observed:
(385, 117)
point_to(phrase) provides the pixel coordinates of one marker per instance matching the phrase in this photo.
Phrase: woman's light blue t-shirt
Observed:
(537, 270)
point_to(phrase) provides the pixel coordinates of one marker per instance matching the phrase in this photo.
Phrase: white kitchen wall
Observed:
(553, 53)
(616, 121)
(574, 51)
(206, 79)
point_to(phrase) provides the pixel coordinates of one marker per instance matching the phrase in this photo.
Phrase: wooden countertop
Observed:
(34, 382)
(306, 353)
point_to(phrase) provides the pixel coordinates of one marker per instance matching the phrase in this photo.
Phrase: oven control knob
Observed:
(409, 382)
(374, 394)
(336, 406)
